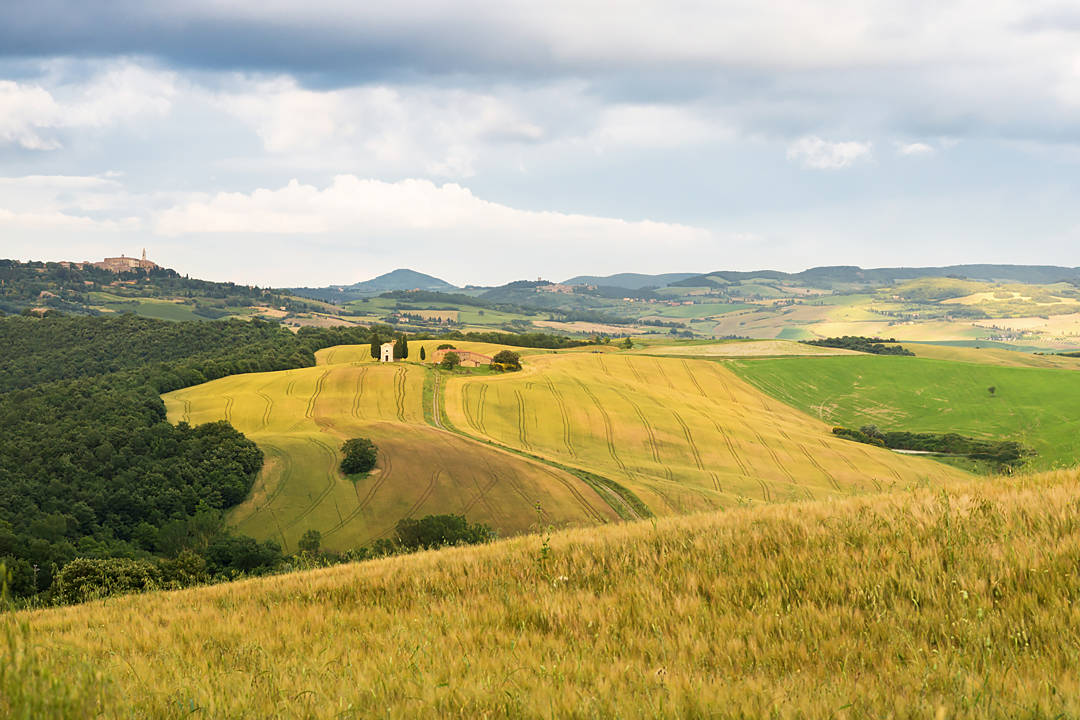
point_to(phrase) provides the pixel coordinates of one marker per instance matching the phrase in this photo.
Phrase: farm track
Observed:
(358, 395)
(775, 457)
(731, 448)
(521, 420)
(567, 437)
(654, 444)
(426, 494)
(689, 440)
(592, 511)
(609, 433)
(693, 379)
(663, 374)
(633, 369)
(480, 409)
(228, 408)
(481, 494)
(187, 412)
(363, 502)
(603, 365)
(269, 407)
(724, 383)
(325, 491)
(890, 469)
(309, 412)
(813, 461)
(289, 387)
(399, 392)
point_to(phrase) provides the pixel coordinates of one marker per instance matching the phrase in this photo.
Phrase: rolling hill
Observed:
(591, 437)
(953, 602)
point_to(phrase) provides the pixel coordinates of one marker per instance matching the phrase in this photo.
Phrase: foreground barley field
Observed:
(682, 434)
(962, 602)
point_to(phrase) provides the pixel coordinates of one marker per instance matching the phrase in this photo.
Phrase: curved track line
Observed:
(480, 408)
(186, 417)
(609, 432)
(689, 440)
(731, 448)
(269, 407)
(309, 412)
(358, 394)
(654, 444)
(775, 457)
(325, 491)
(567, 438)
(630, 364)
(724, 383)
(228, 408)
(521, 420)
(693, 378)
(813, 461)
(663, 374)
(399, 393)
(363, 502)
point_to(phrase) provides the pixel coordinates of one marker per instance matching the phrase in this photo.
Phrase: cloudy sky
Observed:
(326, 141)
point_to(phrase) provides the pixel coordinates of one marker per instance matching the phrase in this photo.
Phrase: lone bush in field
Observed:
(446, 346)
(506, 360)
(360, 456)
(310, 542)
(435, 531)
(450, 361)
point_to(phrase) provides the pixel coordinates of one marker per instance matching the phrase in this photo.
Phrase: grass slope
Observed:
(1036, 406)
(300, 419)
(682, 434)
(957, 603)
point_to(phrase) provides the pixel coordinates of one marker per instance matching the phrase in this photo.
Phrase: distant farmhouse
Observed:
(126, 264)
(468, 359)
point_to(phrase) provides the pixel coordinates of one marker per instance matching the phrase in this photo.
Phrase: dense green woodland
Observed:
(90, 468)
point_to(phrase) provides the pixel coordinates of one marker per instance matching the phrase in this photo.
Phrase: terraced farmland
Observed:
(682, 434)
(300, 418)
(1036, 406)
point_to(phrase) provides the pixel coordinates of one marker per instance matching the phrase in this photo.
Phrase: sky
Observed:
(329, 141)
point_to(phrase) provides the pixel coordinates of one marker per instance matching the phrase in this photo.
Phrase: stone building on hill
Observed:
(468, 359)
(126, 264)
(386, 352)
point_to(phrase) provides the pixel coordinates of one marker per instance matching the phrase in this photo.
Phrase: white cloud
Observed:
(30, 114)
(813, 152)
(916, 148)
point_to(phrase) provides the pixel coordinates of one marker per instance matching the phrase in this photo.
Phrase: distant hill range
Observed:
(400, 279)
(853, 275)
(630, 281)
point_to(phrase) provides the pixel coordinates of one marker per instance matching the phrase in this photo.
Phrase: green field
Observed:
(1036, 406)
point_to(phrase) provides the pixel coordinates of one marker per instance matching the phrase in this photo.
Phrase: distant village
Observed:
(116, 264)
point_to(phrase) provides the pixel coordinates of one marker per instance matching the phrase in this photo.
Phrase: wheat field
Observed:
(961, 602)
(683, 434)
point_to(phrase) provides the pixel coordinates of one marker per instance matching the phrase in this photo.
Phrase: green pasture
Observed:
(1036, 406)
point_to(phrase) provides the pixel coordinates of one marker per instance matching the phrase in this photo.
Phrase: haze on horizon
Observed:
(326, 142)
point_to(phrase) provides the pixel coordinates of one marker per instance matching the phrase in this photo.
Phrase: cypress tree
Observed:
(423, 355)
(375, 346)
(401, 348)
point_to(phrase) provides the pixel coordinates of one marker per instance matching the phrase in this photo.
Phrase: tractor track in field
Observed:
(331, 355)
(469, 418)
(480, 408)
(821, 468)
(399, 393)
(324, 493)
(693, 379)
(426, 494)
(689, 440)
(521, 420)
(290, 386)
(363, 502)
(663, 374)
(269, 407)
(358, 395)
(229, 401)
(603, 365)
(589, 509)
(888, 468)
(731, 447)
(654, 444)
(609, 433)
(724, 383)
(186, 417)
(775, 457)
(309, 411)
(630, 364)
(567, 437)
(481, 494)
(286, 473)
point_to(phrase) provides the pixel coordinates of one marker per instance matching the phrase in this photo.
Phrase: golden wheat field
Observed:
(962, 602)
(301, 417)
(682, 434)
